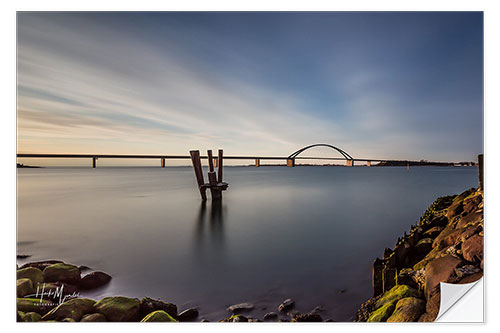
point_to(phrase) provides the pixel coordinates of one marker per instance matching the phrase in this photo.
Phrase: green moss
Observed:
(395, 294)
(382, 313)
(74, 309)
(61, 272)
(24, 287)
(34, 305)
(119, 308)
(157, 316)
(34, 274)
(234, 318)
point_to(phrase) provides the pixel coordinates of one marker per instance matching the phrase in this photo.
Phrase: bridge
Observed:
(290, 159)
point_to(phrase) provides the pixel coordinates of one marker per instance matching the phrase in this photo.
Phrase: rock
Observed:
(34, 305)
(471, 204)
(74, 308)
(61, 272)
(439, 270)
(471, 219)
(93, 317)
(23, 256)
(286, 305)
(472, 248)
(149, 305)
(455, 209)
(270, 316)
(423, 246)
(395, 294)
(408, 309)
(158, 316)
(41, 265)
(382, 313)
(466, 270)
(205, 320)
(237, 308)
(433, 232)
(431, 308)
(119, 308)
(471, 278)
(83, 268)
(30, 317)
(94, 280)
(188, 315)
(68, 320)
(55, 288)
(447, 237)
(318, 309)
(34, 274)
(24, 287)
(310, 317)
(235, 319)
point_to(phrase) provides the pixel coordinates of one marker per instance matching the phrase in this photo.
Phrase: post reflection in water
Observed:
(209, 231)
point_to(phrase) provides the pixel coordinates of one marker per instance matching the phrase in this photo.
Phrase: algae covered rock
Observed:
(408, 309)
(395, 294)
(158, 316)
(24, 287)
(30, 317)
(308, 317)
(235, 319)
(119, 308)
(286, 305)
(149, 305)
(74, 308)
(34, 274)
(94, 280)
(37, 305)
(41, 265)
(61, 272)
(93, 317)
(382, 313)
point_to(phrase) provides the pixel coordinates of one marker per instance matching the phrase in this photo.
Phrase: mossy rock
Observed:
(235, 319)
(34, 274)
(408, 309)
(62, 273)
(29, 317)
(149, 305)
(395, 294)
(382, 313)
(74, 308)
(68, 320)
(158, 316)
(119, 308)
(34, 305)
(93, 317)
(24, 287)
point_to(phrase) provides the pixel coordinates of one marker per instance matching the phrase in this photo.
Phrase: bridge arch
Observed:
(298, 152)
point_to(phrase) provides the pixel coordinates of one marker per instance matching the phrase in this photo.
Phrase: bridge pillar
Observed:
(368, 163)
(94, 159)
(349, 163)
(162, 162)
(290, 162)
(257, 162)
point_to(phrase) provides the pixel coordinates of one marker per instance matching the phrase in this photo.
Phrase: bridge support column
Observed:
(290, 162)
(162, 162)
(368, 163)
(349, 163)
(257, 162)
(94, 160)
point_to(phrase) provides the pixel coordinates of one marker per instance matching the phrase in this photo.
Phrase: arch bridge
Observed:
(290, 161)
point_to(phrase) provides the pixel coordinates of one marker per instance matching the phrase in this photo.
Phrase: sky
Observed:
(377, 85)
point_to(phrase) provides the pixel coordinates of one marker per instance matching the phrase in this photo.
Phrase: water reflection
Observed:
(209, 231)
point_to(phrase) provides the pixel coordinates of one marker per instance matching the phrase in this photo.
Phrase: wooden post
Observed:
(220, 165)
(198, 172)
(162, 162)
(210, 161)
(480, 161)
(257, 162)
(216, 192)
(94, 159)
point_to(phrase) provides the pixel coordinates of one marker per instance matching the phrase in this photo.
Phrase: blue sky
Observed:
(377, 85)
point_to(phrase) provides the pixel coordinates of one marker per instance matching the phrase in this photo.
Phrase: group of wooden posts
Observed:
(215, 183)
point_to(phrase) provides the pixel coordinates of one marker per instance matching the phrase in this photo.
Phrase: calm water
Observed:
(309, 233)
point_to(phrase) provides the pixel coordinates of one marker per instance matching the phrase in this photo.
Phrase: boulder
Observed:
(447, 237)
(439, 270)
(188, 315)
(61, 272)
(455, 209)
(24, 287)
(57, 288)
(407, 309)
(471, 203)
(74, 308)
(37, 305)
(309, 317)
(149, 305)
(395, 294)
(471, 219)
(119, 308)
(93, 317)
(235, 319)
(382, 313)
(238, 308)
(286, 305)
(41, 265)
(472, 248)
(423, 246)
(158, 316)
(433, 232)
(34, 274)
(94, 280)
(31, 317)
(471, 278)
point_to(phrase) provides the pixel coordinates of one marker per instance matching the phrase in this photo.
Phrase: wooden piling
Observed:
(480, 161)
(220, 165)
(198, 172)
(210, 161)
(214, 189)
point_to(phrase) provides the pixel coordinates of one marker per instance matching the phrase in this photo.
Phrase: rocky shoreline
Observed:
(446, 245)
